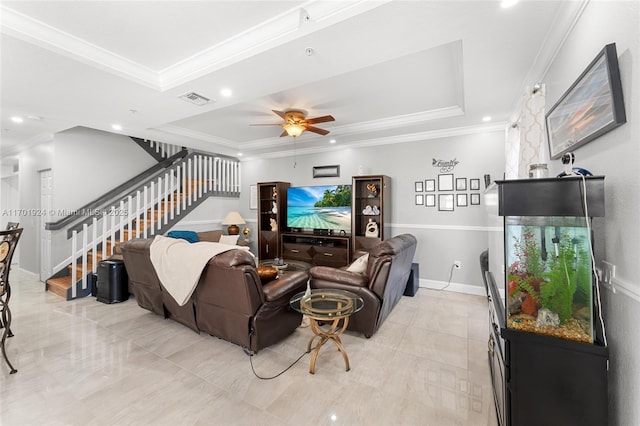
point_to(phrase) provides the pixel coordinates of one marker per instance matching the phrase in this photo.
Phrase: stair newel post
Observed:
(74, 262)
(94, 244)
(145, 205)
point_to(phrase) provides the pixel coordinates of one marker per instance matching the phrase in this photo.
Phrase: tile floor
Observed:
(88, 363)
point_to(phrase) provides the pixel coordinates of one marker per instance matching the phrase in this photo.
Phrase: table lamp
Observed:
(233, 219)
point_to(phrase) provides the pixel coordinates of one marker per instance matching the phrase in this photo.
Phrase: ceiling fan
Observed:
(295, 123)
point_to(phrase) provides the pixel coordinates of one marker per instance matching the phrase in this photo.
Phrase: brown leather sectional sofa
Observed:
(229, 302)
(381, 285)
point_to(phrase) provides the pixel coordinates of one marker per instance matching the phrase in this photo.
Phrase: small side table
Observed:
(327, 305)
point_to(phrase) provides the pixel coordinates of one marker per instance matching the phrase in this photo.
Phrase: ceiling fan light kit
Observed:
(295, 122)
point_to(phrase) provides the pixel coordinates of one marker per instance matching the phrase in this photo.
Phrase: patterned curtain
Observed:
(525, 138)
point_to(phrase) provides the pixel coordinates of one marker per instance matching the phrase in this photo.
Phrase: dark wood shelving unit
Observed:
(271, 194)
(362, 197)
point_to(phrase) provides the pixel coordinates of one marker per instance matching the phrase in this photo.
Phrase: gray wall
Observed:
(617, 156)
(442, 236)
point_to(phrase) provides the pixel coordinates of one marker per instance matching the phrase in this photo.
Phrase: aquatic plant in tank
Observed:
(549, 281)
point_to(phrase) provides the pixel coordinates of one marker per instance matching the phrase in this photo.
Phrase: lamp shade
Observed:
(233, 219)
(293, 129)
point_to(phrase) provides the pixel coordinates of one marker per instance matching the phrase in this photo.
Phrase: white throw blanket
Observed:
(180, 263)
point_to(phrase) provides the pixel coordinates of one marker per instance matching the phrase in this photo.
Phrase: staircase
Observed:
(148, 208)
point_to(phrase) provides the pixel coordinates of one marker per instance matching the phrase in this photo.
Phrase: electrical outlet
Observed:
(457, 264)
(608, 274)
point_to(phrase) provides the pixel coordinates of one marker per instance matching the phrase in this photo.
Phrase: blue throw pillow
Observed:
(190, 236)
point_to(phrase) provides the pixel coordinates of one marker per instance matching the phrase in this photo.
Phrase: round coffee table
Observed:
(327, 306)
(289, 265)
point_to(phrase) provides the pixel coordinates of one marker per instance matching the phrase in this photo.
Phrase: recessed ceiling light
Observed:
(226, 92)
(486, 118)
(239, 154)
(332, 141)
(116, 127)
(17, 119)
(508, 3)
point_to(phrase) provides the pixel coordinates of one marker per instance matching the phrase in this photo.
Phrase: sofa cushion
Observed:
(190, 236)
(360, 264)
(231, 240)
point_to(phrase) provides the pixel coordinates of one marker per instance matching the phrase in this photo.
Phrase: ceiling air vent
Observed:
(195, 98)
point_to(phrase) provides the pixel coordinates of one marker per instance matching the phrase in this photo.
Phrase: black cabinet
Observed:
(546, 351)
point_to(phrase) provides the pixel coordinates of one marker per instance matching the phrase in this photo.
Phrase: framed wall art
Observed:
(430, 200)
(474, 184)
(445, 182)
(461, 184)
(430, 185)
(475, 199)
(445, 202)
(419, 186)
(592, 106)
(461, 200)
(326, 171)
(419, 199)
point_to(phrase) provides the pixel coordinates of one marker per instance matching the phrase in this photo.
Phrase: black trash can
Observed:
(414, 281)
(112, 281)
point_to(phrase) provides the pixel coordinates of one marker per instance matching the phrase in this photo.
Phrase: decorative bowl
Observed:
(267, 273)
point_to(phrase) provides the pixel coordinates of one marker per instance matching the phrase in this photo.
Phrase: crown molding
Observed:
(181, 131)
(388, 140)
(294, 23)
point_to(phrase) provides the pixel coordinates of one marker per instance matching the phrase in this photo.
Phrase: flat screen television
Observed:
(319, 208)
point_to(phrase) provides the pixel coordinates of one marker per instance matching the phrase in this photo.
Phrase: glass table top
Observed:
(326, 304)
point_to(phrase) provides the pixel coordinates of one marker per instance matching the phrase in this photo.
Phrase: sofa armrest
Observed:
(338, 276)
(286, 286)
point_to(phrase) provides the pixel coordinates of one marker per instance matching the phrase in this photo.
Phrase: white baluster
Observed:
(85, 243)
(159, 203)
(152, 208)
(170, 178)
(130, 217)
(94, 245)
(145, 202)
(74, 263)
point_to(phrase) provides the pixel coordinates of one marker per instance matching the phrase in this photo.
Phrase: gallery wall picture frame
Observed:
(474, 184)
(430, 200)
(419, 186)
(591, 107)
(419, 199)
(475, 199)
(326, 171)
(462, 200)
(461, 184)
(445, 182)
(429, 185)
(445, 202)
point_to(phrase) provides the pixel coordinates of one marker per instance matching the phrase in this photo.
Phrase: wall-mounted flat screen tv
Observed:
(325, 207)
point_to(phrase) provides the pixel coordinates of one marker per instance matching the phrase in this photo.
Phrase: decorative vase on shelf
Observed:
(373, 190)
(274, 209)
(371, 231)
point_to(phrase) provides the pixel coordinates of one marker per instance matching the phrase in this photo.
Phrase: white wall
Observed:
(90, 162)
(442, 236)
(615, 155)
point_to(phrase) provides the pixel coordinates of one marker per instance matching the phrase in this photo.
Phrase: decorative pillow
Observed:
(229, 239)
(190, 236)
(360, 264)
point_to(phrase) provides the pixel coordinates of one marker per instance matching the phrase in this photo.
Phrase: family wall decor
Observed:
(451, 190)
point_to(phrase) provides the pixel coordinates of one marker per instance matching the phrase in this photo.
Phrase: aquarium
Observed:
(549, 276)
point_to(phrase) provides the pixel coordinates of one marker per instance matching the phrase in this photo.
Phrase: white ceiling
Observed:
(388, 71)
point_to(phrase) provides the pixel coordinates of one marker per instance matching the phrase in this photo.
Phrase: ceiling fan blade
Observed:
(279, 113)
(284, 134)
(322, 119)
(317, 130)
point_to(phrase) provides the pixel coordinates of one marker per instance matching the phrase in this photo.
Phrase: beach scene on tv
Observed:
(319, 207)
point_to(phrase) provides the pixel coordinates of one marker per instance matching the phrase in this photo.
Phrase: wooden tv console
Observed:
(318, 250)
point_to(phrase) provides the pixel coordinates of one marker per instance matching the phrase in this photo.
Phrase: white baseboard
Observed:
(455, 287)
